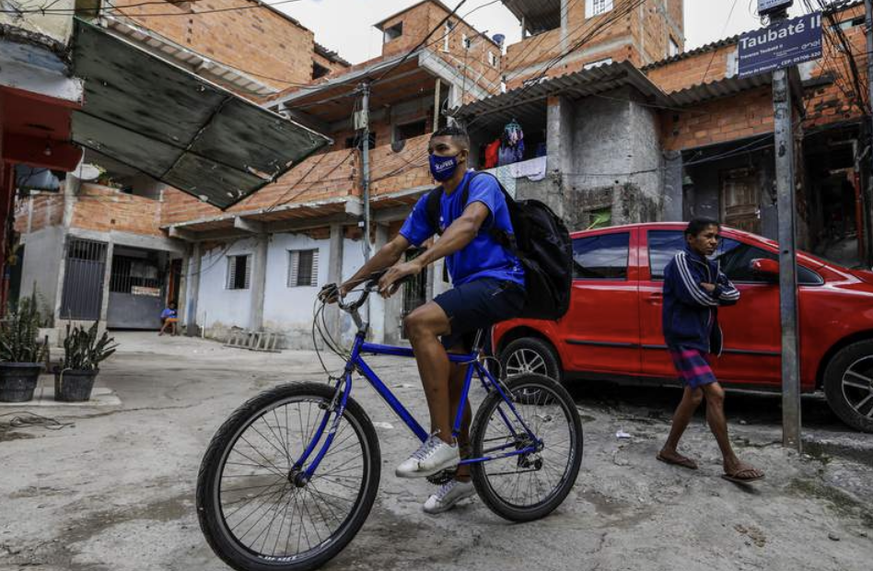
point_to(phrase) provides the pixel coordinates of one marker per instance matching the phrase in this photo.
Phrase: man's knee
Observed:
(417, 326)
(696, 396)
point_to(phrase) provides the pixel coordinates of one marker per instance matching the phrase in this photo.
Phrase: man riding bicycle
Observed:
(488, 288)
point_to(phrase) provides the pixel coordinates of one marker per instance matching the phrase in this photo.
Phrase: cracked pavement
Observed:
(115, 490)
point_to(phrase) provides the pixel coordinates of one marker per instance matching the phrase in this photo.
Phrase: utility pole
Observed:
(868, 25)
(785, 189)
(365, 159)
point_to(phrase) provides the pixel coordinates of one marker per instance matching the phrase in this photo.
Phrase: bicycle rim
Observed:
(261, 510)
(530, 482)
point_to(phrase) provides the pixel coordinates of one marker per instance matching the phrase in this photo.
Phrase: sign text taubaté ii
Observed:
(782, 44)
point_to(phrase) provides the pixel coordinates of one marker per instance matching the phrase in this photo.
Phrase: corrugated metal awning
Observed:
(177, 127)
(716, 89)
(580, 84)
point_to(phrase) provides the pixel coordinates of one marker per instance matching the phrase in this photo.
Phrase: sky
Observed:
(346, 26)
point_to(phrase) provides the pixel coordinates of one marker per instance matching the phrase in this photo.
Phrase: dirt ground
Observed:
(114, 491)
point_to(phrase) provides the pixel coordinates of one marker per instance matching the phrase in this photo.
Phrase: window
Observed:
(601, 257)
(735, 258)
(597, 7)
(492, 59)
(239, 272)
(302, 268)
(393, 32)
(448, 29)
(319, 70)
(663, 245)
(465, 42)
(355, 141)
(410, 130)
(605, 61)
(672, 47)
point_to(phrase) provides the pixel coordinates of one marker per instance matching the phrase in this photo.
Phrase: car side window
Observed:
(736, 258)
(663, 246)
(602, 257)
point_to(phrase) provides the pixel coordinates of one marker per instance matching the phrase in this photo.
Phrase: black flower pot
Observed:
(18, 381)
(74, 386)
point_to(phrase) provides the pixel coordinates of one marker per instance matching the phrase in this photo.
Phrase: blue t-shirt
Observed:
(168, 313)
(484, 257)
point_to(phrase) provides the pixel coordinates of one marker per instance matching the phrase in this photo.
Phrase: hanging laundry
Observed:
(511, 144)
(492, 152)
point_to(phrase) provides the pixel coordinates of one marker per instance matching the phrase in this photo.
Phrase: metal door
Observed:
(741, 200)
(414, 290)
(83, 280)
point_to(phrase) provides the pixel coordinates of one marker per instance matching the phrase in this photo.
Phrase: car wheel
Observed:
(848, 384)
(530, 355)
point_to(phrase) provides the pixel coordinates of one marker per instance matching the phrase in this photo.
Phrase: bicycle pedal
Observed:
(443, 477)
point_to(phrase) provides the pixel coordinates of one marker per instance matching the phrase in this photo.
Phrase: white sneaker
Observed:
(433, 456)
(447, 496)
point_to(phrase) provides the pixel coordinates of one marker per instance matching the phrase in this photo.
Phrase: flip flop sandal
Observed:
(737, 480)
(687, 463)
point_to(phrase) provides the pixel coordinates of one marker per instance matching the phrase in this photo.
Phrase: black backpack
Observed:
(541, 242)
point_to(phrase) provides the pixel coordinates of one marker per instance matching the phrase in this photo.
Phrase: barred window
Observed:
(302, 268)
(597, 7)
(239, 272)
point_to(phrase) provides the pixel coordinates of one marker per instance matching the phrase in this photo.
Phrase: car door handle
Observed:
(656, 298)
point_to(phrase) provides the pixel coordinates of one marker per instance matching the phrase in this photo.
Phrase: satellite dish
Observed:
(88, 172)
(498, 39)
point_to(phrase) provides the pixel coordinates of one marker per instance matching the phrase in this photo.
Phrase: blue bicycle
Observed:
(289, 479)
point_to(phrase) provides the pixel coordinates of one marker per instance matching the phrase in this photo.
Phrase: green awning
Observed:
(177, 127)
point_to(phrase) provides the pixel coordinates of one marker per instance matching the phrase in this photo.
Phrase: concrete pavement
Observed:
(115, 491)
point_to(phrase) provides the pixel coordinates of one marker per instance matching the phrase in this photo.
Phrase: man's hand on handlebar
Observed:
(395, 275)
(330, 293)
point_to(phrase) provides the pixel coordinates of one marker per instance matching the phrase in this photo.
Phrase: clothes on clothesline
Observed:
(492, 152)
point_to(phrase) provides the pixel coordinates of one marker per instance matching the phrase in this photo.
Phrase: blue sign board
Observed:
(782, 44)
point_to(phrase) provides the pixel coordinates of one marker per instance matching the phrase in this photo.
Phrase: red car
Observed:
(613, 327)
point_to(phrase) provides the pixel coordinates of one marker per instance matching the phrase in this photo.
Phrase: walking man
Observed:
(694, 288)
(488, 288)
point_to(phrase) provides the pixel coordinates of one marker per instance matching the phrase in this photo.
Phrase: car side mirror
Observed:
(766, 268)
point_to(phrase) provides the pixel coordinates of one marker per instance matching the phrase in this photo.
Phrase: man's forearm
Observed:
(386, 257)
(455, 238)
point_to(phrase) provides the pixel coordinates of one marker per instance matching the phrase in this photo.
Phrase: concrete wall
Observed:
(56, 26)
(615, 159)
(220, 309)
(42, 261)
(289, 309)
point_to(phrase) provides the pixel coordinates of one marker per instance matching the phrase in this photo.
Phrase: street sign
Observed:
(782, 44)
(769, 6)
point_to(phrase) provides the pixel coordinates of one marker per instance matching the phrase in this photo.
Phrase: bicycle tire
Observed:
(526, 385)
(209, 509)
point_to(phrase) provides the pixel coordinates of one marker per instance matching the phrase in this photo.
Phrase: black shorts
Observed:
(478, 305)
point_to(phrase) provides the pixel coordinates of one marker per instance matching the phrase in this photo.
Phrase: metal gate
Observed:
(83, 280)
(414, 290)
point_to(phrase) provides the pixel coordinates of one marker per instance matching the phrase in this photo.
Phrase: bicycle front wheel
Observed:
(254, 513)
(527, 486)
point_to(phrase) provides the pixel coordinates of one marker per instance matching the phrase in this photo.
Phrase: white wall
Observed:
(43, 252)
(219, 308)
(289, 309)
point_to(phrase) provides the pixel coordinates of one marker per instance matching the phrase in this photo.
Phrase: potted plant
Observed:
(83, 353)
(21, 353)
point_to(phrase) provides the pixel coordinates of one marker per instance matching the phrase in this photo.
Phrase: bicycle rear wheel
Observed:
(251, 510)
(527, 486)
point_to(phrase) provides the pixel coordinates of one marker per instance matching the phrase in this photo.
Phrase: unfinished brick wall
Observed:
(394, 172)
(40, 210)
(105, 209)
(257, 41)
(320, 177)
(719, 121)
(704, 67)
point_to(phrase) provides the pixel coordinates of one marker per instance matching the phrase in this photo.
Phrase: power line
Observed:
(73, 11)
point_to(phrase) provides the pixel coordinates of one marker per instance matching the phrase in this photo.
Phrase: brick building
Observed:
(156, 115)
(627, 127)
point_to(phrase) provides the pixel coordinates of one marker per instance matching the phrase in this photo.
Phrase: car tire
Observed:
(848, 384)
(530, 355)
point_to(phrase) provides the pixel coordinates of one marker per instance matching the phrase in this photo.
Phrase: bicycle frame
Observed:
(344, 388)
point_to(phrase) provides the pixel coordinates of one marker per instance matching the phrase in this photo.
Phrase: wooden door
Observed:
(741, 200)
